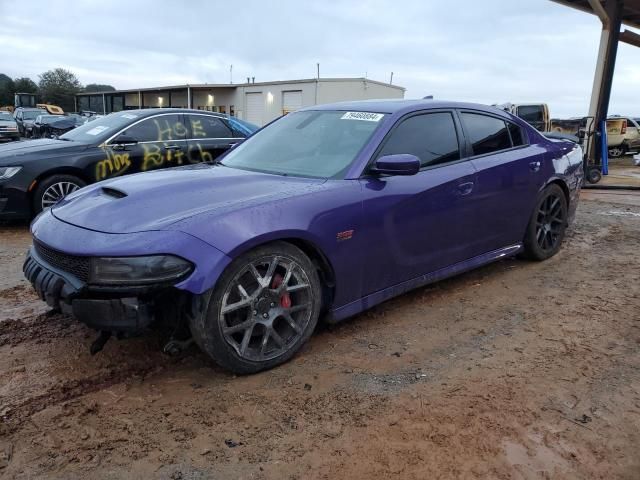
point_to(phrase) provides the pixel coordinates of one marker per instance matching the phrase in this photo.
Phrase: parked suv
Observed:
(36, 174)
(25, 118)
(623, 136)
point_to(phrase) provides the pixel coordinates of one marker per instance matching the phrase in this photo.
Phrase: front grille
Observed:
(73, 264)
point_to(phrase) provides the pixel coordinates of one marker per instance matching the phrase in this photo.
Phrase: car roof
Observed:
(145, 112)
(402, 106)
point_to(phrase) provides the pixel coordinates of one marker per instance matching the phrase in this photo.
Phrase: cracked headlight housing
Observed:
(146, 270)
(8, 172)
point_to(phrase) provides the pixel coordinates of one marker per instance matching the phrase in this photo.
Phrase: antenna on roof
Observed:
(318, 70)
(231, 73)
(391, 79)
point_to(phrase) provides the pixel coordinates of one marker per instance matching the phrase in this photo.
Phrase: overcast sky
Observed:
(484, 51)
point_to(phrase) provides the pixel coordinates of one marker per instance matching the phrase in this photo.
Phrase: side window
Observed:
(431, 137)
(208, 126)
(162, 128)
(517, 138)
(486, 134)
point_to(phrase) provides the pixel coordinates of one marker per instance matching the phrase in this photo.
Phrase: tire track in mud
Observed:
(13, 416)
(38, 328)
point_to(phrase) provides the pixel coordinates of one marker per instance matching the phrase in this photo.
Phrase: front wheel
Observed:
(616, 152)
(53, 189)
(547, 225)
(263, 309)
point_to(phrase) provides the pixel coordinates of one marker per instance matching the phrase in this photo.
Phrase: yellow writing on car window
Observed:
(196, 128)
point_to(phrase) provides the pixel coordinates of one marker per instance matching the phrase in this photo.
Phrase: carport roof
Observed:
(630, 10)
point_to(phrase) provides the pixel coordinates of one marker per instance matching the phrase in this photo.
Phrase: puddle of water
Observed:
(534, 458)
(620, 214)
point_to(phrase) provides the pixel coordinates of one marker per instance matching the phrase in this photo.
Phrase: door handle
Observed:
(465, 188)
(172, 147)
(534, 166)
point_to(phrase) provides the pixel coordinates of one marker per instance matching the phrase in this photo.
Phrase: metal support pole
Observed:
(605, 66)
(104, 105)
(139, 99)
(189, 105)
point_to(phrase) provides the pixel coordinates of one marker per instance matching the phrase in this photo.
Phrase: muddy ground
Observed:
(516, 370)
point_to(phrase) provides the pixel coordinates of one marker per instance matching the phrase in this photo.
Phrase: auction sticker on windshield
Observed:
(366, 116)
(97, 130)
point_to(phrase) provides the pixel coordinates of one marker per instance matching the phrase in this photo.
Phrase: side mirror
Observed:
(122, 141)
(399, 164)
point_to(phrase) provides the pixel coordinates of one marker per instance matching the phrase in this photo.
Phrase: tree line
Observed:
(58, 87)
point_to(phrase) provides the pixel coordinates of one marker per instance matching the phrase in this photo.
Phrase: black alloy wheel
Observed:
(549, 222)
(547, 225)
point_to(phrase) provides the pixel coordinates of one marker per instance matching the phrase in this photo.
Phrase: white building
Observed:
(257, 103)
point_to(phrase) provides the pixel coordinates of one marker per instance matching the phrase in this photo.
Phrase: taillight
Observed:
(624, 127)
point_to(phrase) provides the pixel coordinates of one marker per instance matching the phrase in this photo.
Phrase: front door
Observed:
(160, 142)
(209, 137)
(419, 224)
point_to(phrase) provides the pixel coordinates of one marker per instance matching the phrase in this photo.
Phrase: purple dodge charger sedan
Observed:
(327, 211)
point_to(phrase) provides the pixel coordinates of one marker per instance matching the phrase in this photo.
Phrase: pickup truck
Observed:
(623, 133)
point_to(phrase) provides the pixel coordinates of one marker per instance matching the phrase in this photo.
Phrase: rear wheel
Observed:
(263, 309)
(547, 225)
(53, 189)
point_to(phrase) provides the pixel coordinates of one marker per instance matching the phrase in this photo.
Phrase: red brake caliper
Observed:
(285, 299)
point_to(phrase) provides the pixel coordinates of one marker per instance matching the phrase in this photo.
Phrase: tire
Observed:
(547, 225)
(277, 279)
(594, 175)
(54, 188)
(617, 152)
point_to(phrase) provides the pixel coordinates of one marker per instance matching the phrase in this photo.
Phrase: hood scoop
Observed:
(113, 192)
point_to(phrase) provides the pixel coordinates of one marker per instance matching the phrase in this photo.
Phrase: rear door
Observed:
(510, 173)
(208, 137)
(418, 224)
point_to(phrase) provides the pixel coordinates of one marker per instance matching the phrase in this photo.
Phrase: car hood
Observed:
(155, 200)
(22, 151)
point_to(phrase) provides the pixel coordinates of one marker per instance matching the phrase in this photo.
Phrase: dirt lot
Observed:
(517, 370)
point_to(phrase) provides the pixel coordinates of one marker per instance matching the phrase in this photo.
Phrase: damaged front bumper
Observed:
(125, 310)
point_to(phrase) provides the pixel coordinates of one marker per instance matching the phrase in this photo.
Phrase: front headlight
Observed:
(138, 270)
(8, 172)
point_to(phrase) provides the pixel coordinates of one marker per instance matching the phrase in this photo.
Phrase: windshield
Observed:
(100, 128)
(319, 144)
(49, 118)
(244, 127)
(31, 114)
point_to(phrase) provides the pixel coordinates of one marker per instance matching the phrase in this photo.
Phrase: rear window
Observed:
(208, 126)
(531, 113)
(486, 134)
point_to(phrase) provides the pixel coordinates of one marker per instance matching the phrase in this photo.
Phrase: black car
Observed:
(8, 127)
(25, 118)
(41, 123)
(36, 174)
